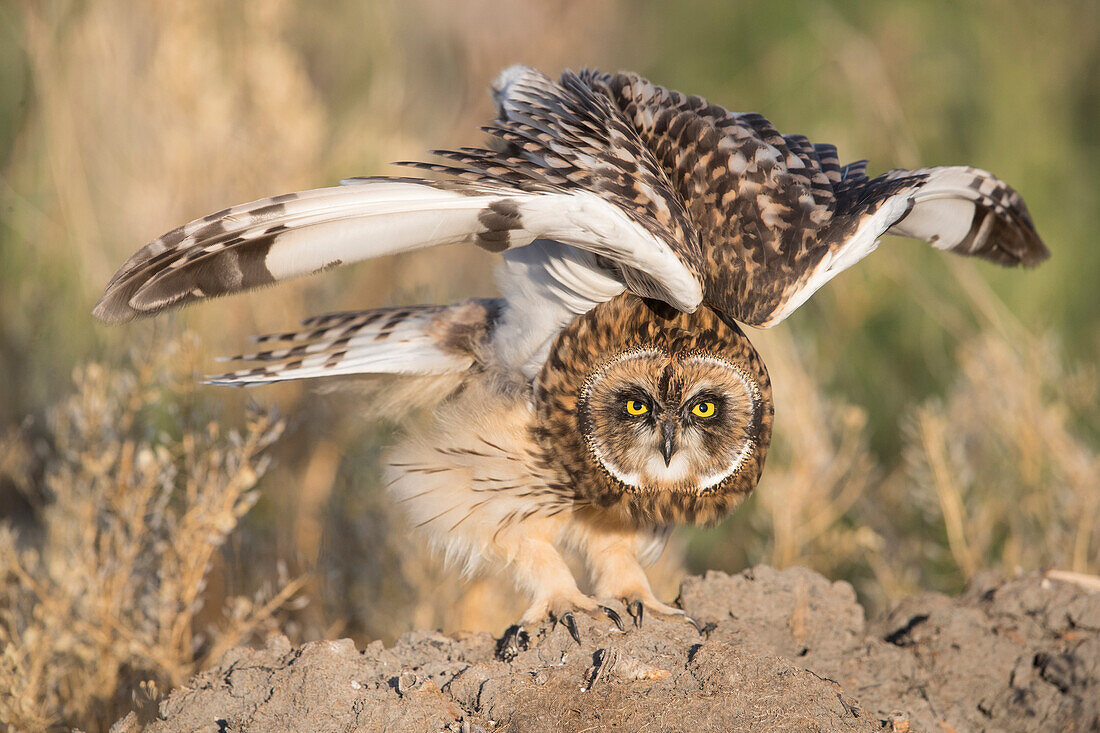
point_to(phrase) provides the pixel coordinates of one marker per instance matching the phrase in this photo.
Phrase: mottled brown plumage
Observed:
(506, 471)
(609, 392)
(633, 343)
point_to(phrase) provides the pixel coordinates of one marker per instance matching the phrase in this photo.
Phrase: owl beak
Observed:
(667, 446)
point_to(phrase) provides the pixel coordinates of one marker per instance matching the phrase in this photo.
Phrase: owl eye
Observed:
(636, 407)
(703, 409)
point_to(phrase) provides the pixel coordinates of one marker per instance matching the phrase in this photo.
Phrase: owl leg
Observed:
(613, 560)
(540, 570)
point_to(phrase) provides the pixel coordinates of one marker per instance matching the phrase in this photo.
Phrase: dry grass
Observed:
(104, 600)
(1002, 473)
(1002, 467)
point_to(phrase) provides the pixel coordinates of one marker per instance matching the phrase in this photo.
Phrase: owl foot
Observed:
(561, 610)
(558, 607)
(569, 621)
(636, 607)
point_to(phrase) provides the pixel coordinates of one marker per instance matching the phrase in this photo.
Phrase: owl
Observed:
(609, 393)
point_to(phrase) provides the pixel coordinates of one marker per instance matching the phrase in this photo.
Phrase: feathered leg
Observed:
(612, 556)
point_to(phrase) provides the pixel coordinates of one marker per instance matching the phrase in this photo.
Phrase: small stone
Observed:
(1084, 612)
(406, 682)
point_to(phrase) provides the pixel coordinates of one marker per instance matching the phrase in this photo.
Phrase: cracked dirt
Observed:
(781, 651)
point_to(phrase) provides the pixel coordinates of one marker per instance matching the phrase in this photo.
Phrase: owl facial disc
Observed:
(665, 415)
(661, 423)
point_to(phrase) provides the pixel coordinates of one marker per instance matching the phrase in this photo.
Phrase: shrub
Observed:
(102, 595)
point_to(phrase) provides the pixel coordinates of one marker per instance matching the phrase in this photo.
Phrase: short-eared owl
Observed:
(609, 392)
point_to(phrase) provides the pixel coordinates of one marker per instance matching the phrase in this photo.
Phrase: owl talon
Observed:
(570, 623)
(615, 617)
(513, 642)
(636, 609)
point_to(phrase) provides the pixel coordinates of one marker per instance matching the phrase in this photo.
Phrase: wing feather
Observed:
(970, 211)
(959, 209)
(778, 216)
(275, 239)
(419, 340)
(666, 194)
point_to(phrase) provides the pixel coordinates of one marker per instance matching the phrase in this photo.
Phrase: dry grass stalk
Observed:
(931, 430)
(1016, 484)
(823, 469)
(107, 594)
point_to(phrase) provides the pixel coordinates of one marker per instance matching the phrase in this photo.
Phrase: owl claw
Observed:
(695, 624)
(636, 608)
(614, 616)
(570, 623)
(513, 642)
(563, 610)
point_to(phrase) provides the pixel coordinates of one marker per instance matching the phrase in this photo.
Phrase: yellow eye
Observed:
(635, 407)
(703, 409)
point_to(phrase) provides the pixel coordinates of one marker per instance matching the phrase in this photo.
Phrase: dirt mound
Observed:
(780, 651)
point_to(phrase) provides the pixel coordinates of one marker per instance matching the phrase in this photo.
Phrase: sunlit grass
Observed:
(105, 594)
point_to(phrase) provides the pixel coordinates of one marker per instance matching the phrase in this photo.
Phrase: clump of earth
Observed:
(778, 651)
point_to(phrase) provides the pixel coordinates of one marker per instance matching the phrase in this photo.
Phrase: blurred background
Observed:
(935, 417)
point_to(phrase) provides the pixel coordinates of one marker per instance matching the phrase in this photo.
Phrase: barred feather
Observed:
(420, 340)
(275, 239)
(778, 216)
(972, 212)
(677, 198)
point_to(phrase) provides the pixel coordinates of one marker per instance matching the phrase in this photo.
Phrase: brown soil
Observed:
(780, 651)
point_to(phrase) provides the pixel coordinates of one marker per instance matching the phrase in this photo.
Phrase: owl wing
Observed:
(958, 209)
(417, 340)
(778, 216)
(569, 168)
(675, 197)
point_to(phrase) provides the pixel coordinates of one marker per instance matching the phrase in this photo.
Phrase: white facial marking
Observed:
(709, 482)
(629, 479)
(652, 473)
(676, 471)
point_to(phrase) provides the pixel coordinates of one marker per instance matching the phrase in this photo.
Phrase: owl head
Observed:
(661, 415)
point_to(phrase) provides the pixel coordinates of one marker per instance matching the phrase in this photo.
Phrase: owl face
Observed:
(664, 415)
(656, 422)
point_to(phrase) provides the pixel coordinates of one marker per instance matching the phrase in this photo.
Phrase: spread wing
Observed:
(569, 168)
(779, 216)
(673, 197)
